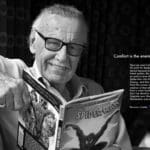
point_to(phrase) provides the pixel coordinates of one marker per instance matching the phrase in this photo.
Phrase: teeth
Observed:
(59, 66)
(64, 67)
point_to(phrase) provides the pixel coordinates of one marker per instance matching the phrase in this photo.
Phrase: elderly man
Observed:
(57, 39)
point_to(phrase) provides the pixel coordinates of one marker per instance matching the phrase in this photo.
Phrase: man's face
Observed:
(58, 67)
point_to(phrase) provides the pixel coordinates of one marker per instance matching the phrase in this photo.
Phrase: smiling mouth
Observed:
(61, 67)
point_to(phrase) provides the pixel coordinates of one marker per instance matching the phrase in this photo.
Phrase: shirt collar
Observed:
(34, 70)
(78, 89)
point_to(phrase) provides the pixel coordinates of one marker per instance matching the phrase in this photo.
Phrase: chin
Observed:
(57, 79)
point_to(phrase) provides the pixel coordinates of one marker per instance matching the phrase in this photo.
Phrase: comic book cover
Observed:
(90, 124)
(83, 123)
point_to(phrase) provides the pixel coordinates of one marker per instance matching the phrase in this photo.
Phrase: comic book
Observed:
(51, 123)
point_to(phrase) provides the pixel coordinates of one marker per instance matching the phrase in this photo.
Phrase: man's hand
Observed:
(13, 93)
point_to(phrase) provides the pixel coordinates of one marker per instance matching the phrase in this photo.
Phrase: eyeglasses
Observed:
(53, 44)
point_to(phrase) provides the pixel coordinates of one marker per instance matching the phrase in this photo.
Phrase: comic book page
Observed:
(39, 125)
(90, 124)
(37, 128)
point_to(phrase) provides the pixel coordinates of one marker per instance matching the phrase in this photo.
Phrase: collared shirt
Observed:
(81, 87)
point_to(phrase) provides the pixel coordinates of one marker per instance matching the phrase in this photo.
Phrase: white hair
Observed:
(58, 9)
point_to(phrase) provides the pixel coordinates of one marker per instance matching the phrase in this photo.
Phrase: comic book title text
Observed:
(98, 111)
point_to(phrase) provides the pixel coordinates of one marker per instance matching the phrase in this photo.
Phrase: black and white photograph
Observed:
(74, 75)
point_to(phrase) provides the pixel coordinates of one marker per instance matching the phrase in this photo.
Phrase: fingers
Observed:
(14, 93)
(21, 94)
(17, 90)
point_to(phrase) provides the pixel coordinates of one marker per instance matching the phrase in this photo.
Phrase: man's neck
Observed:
(63, 90)
(58, 87)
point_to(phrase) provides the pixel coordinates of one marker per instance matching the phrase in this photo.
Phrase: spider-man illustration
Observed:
(89, 142)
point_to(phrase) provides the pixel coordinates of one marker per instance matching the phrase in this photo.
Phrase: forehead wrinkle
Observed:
(53, 22)
(66, 36)
(51, 27)
(57, 32)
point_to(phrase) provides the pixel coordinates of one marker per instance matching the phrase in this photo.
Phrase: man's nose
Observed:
(62, 53)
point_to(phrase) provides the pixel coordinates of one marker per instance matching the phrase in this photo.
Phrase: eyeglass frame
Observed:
(61, 45)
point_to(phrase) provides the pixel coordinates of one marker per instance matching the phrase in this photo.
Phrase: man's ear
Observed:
(31, 42)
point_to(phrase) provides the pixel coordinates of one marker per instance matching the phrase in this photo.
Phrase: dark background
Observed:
(116, 26)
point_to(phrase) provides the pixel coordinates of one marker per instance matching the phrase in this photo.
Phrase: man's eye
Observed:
(71, 46)
(53, 43)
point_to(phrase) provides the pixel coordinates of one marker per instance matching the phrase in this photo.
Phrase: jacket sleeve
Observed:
(123, 139)
(8, 119)
(11, 67)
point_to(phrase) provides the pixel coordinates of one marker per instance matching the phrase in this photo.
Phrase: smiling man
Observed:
(57, 39)
(57, 42)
